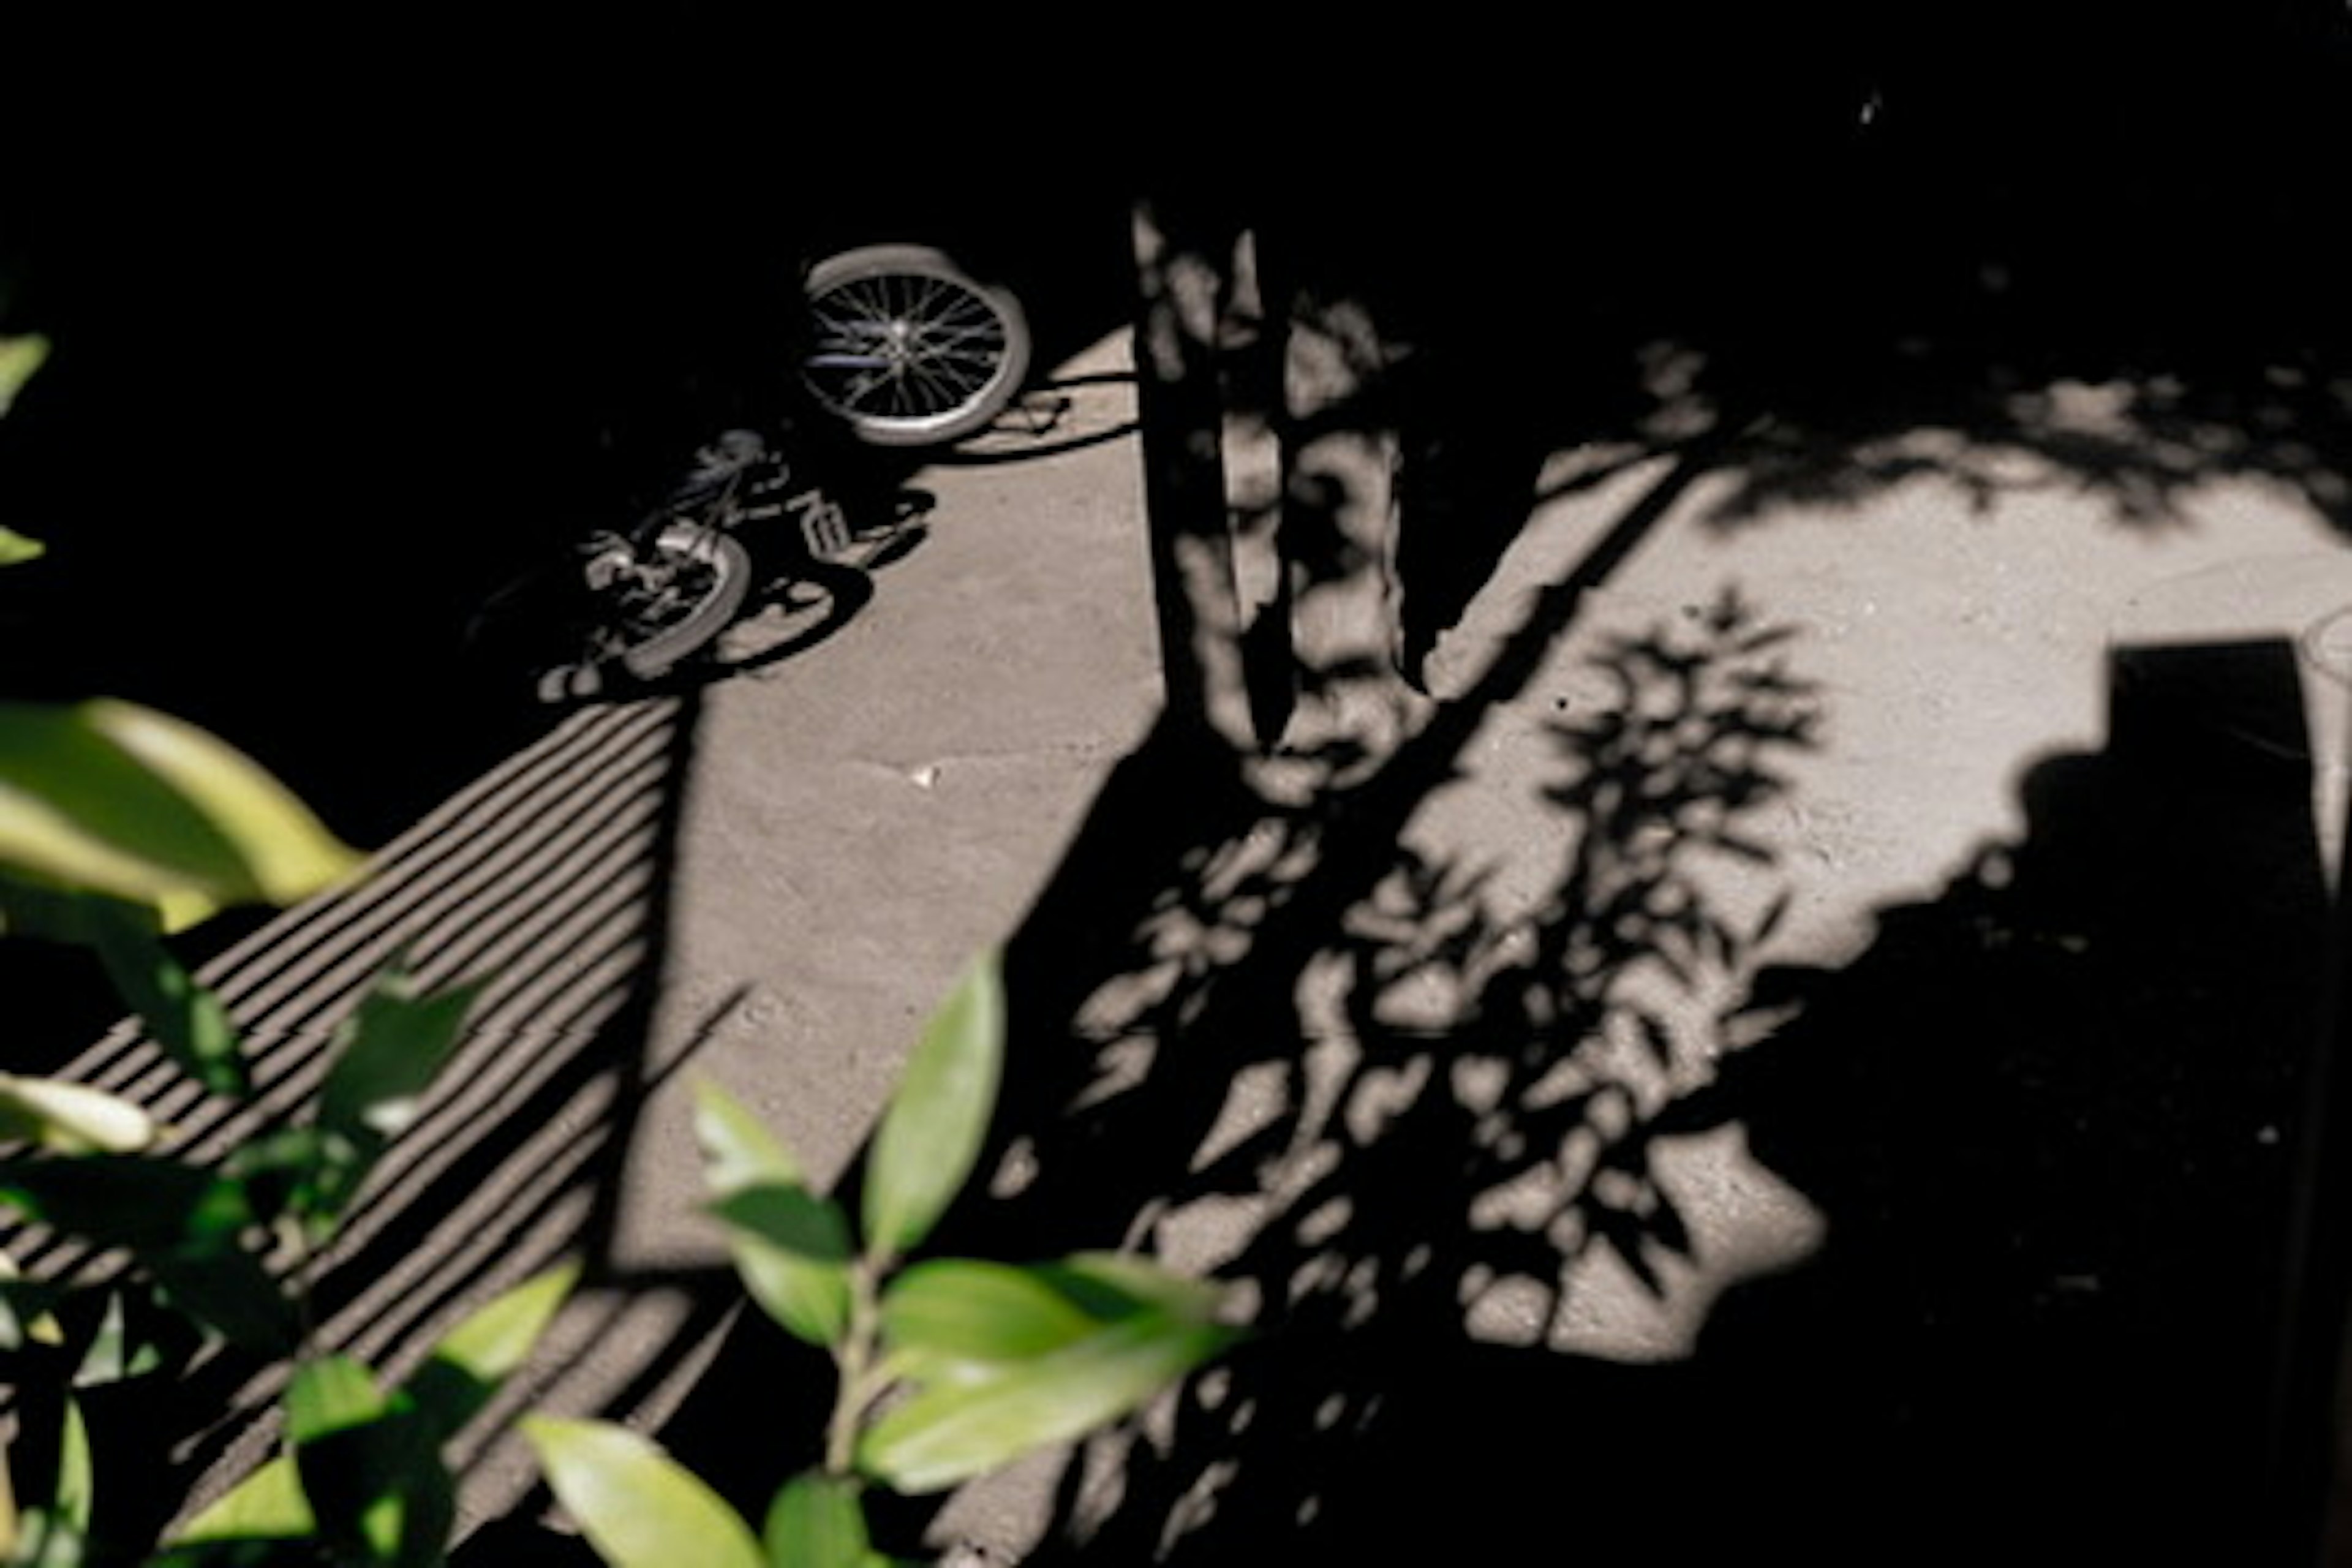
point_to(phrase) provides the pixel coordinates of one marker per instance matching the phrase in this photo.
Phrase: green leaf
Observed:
(792, 1249)
(117, 1352)
(279, 1171)
(932, 1130)
(737, 1149)
(817, 1522)
(388, 1053)
(328, 1396)
(182, 1015)
(71, 1118)
(951, 1431)
(19, 358)
(15, 549)
(1111, 1284)
(464, 1371)
(186, 1019)
(370, 1464)
(25, 1318)
(11, 1522)
(111, 798)
(939, 1315)
(56, 1534)
(638, 1507)
(139, 1202)
(395, 1045)
(266, 1505)
(76, 1476)
(185, 1226)
(228, 1291)
(49, 1542)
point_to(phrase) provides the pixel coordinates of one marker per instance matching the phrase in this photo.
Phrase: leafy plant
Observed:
(19, 358)
(946, 1368)
(364, 1481)
(118, 826)
(225, 1252)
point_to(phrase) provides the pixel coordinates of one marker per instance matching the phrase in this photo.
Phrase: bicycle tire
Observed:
(716, 570)
(907, 349)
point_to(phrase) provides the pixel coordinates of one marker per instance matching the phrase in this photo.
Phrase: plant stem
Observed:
(855, 1362)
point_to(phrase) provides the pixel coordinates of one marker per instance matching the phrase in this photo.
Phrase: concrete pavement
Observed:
(859, 823)
(771, 882)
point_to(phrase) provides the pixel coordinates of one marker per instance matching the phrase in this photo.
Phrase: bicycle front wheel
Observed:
(688, 584)
(909, 350)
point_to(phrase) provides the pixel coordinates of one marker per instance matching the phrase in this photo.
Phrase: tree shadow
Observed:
(2056, 1122)
(2146, 441)
(1397, 1114)
(1217, 1060)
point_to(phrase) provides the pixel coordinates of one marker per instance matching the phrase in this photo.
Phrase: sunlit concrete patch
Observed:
(869, 814)
(1956, 646)
(1745, 1224)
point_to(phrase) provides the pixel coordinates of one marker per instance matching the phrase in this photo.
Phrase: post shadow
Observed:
(2054, 1119)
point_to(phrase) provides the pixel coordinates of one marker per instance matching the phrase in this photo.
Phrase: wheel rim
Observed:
(660, 595)
(905, 349)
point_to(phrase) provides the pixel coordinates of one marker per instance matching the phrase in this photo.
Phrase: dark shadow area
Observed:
(335, 357)
(2055, 1118)
(2095, 262)
(2051, 1120)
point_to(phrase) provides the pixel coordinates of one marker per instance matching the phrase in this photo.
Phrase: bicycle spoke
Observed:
(905, 347)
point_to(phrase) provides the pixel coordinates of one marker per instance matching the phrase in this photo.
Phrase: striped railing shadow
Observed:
(544, 883)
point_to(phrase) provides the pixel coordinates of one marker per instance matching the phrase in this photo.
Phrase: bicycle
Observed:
(903, 350)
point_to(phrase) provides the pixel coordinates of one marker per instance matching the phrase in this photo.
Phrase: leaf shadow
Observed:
(1400, 1119)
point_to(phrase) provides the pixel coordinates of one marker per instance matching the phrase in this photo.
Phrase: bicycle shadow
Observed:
(1037, 425)
(797, 606)
(816, 599)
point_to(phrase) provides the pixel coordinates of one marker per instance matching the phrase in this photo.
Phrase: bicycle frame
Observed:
(745, 481)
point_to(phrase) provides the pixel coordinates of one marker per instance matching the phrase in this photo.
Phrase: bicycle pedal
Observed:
(826, 532)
